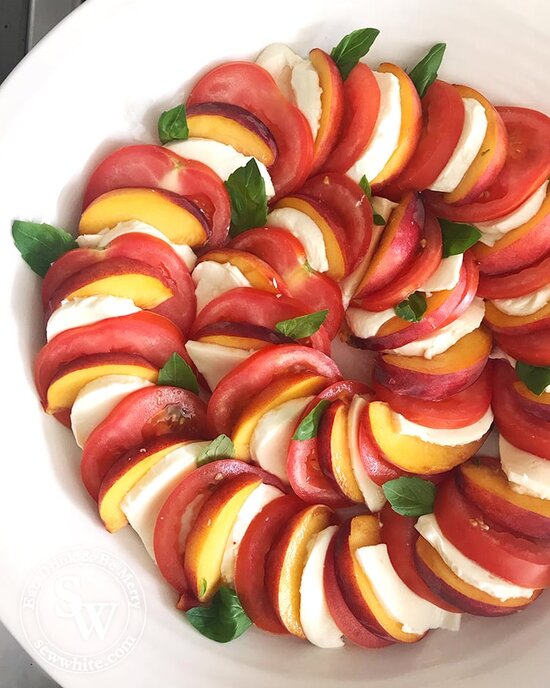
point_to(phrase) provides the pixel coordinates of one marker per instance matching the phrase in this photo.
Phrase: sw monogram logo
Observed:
(91, 618)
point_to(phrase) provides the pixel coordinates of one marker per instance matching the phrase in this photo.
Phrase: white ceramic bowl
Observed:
(98, 81)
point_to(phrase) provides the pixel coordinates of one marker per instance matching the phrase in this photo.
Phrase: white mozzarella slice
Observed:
(220, 157)
(414, 613)
(526, 304)
(468, 146)
(366, 324)
(372, 493)
(466, 569)
(279, 60)
(315, 617)
(498, 354)
(214, 279)
(142, 503)
(383, 207)
(85, 311)
(97, 399)
(306, 231)
(444, 437)
(527, 473)
(272, 435)
(214, 361)
(446, 276)
(444, 338)
(307, 93)
(255, 502)
(387, 129)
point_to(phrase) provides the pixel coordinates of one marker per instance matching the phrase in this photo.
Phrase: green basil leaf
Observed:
(457, 237)
(172, 125)
(222, 621)
(352, 48)
(412, 308)
(309, 426)
(378, 219)
(246, 188)
(365, 185)
(303, 326)
(40, 244)
(410, 496)
(176, 372)
(220, 448)
(425, 72)
(535, 378)
(203, 585)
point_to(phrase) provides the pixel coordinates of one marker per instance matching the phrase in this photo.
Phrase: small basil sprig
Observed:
(457, 237)
(220, 448)
(535, 378)
(352, 48)
(40, 244)
(246, 188)
(302, 326)
(223, 620)
(176, 372)
(309, 426)
(172, 125)
(365, 185)
(410, 496)
(412, 308)
(425, 72)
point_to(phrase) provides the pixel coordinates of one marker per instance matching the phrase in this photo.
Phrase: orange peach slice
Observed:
(516, 324)
(259, 273)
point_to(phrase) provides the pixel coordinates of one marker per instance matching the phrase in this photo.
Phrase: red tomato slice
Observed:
(526, 168)
(347, 201)
(304, 472)
(513, 284)
(472, 282)
(519, 427)
(532, 348)
(142, 415)
(516, 559)
(454, 411)
(361, 106)
(156, 167)
(249, 86)
(260, 536)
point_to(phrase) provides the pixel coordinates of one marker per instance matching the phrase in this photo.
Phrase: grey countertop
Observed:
(17, 668)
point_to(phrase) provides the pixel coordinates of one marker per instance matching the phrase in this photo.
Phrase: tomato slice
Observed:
(142, 415)
(513, 284)
(249, 86)
(526, 168)
(516, 559)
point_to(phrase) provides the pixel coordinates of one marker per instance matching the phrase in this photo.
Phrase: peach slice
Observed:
(175, 216)
(286, 562)
(235, 126)
(206, 542)
(280, 390)
(259, 273)
(239, 335)
(412, 454)
(516, 324)
(536, 405)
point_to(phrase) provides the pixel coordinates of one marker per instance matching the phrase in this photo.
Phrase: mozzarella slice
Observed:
(220, 157)
(387, 129)
(414, 613)
(214, 279)
(305, 230)
(469, 143)
(498, 354)
(526, 304)
(214, 361)
(315, 617)
(142, 503)
(372, 493)
(444, 338)
(446, 276)
(444, 437)
(466, 569)
(85, 311)
(279, 60)
(272, 435)
(383, 207)
(307, 93)
(528, 474)
(255, 502)
(97, 399)
(366, 324)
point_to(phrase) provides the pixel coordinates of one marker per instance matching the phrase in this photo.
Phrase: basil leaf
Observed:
(425, 72)
(352, 48)
(220, 448)
(246, 188)
(365, 185)
(410, 496)
(303, 326)
(176, 372)
(172, 125)
(40, 244)
(203, 585)
(535, 378)
(457, 237)
(223, 620)
(309, 426)
(412, 308)
(378, 219)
